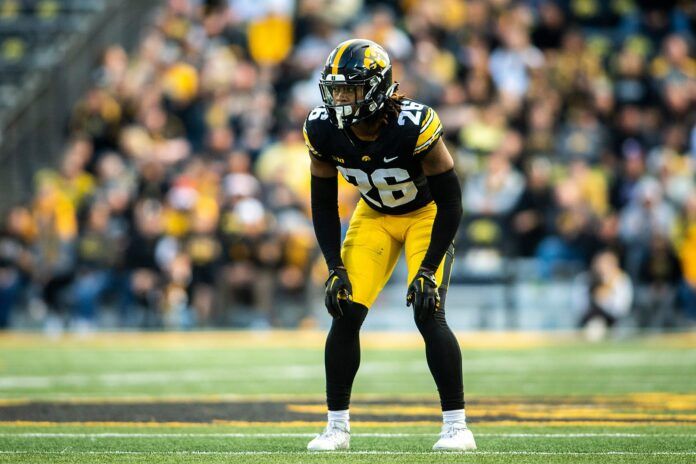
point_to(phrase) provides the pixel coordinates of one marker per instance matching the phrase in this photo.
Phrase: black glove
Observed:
(423, 295)
(338, 289)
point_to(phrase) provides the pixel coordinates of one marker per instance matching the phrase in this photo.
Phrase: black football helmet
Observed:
(356, 81)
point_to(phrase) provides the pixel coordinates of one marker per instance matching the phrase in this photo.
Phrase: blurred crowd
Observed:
(182, 197)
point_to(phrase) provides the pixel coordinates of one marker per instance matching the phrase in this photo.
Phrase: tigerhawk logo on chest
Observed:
(338, 159)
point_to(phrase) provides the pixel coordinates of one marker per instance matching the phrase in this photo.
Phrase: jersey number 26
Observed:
(399, 192)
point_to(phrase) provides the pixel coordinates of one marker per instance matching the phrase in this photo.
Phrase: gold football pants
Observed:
(373, 244)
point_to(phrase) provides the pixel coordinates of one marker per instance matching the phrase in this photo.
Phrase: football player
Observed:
(390, 148)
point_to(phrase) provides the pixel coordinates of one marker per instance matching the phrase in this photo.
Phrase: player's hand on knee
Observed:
(339, 291)
(423, 294)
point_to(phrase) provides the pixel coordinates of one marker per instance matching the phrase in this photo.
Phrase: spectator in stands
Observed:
(531, 213)
(610, 295)
(478, 83)
(686, 249)
(575, 67)
(540, 133)
(182, 100)
(570, 242)
(292, 294)
(646, 216)
(175, 302)
(144, 273)
(485, 132)
(285, 162)
(582, 137)
(382, 29)
(659, 276)
(494, 191)
(632, 84)
(548, 32)
(668, 163)
(98, 116)
(512, 63)
(99, 248)
(203, 248)
(153, 182)
(575, 121)
(16, 237)
(245, 281)
(657, 20)
(675, 65)
(591, 184)
(56, 222)
(239, 181)
(626, 179)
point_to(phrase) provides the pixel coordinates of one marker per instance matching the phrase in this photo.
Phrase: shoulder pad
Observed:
(430, 130)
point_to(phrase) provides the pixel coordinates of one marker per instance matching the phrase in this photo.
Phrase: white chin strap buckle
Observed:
(341, 111)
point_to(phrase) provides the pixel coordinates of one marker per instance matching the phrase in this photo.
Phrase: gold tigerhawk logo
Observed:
(366, 158)
(337, 159)
(375, 57)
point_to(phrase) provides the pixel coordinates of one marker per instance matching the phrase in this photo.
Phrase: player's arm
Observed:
(438, 167)
(327, 224)
(324, 197)
(327, 227)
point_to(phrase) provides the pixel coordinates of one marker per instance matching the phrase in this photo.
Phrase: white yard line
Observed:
(503, 366)
(291, 372)
(304, 435)
(249, 374)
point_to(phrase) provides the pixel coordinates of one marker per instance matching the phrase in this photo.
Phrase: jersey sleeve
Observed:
(430, 131)
(311, 134)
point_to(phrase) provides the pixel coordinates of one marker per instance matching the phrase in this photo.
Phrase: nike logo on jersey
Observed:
(389, 160)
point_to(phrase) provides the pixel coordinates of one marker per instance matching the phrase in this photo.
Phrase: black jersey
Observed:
(387, 171)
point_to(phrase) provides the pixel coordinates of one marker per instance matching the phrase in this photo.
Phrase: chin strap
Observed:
(392, 88)
(347, 110)
(341, 111)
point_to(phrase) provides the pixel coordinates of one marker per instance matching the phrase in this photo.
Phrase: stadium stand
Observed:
(48, 49)
(181, 198)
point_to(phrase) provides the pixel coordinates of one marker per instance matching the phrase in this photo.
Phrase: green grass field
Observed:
(247, 397)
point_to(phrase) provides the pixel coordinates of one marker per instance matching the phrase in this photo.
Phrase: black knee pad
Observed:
(353, 317)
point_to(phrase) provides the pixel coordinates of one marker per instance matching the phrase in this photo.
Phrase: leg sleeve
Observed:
(342, 356)
(441, 347)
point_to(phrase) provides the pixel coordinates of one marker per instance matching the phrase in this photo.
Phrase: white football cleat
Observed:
(336, 436)
(455, 437)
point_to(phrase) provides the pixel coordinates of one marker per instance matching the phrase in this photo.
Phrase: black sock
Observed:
(342, 356)
(444, 357)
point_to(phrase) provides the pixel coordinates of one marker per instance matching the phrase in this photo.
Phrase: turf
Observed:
(401, 444)
(257, 398)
